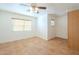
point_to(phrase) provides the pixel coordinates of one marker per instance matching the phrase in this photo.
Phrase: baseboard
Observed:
(17, 40)
(61, 38)
(57, 38)
(30, 38)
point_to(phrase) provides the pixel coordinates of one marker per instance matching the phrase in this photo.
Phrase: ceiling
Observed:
(52, 8)
(60, 8)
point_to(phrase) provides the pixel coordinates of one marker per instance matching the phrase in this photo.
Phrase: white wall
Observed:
(6, 33)
(42, 29)
(46, 31)
(51, 29)
(61, 26)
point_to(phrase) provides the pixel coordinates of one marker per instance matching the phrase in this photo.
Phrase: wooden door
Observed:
(73, 30)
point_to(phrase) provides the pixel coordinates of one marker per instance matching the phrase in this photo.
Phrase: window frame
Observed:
(24, 26)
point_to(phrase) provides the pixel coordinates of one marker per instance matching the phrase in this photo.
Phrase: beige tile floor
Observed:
(36, 46)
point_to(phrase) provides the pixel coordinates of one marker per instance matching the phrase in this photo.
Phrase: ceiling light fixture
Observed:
(34, 9)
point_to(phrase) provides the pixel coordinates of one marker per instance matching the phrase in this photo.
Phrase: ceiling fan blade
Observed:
(33, 5)
(42, 7)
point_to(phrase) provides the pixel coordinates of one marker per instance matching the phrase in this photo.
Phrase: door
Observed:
(73, 30)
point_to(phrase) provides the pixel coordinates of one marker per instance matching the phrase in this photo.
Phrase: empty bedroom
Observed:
(39, 29)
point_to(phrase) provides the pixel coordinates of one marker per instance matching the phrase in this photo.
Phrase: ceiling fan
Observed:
(34, 7)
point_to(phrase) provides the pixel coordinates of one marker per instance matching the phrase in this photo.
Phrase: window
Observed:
(22, 25)
(52, 23)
